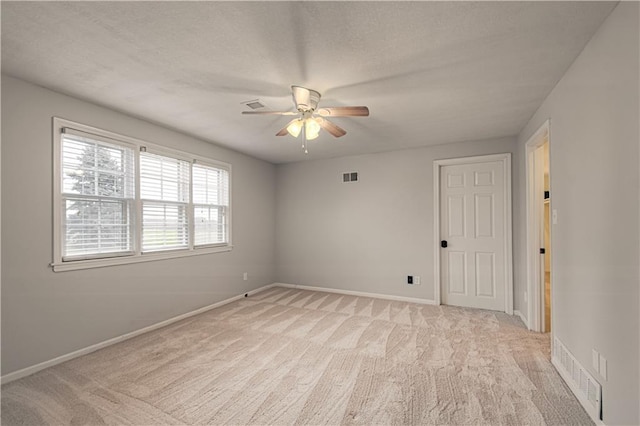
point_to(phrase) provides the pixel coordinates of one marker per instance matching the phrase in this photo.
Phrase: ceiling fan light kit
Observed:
(295, 127)
(310, 119)
(311, 126)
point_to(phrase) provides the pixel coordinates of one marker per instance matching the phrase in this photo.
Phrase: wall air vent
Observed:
(581, 383)
(254, 104)
(350, 177)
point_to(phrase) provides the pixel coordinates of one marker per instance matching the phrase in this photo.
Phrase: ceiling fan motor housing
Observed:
(305, 99)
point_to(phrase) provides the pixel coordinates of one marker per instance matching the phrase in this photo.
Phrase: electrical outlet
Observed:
(554, 217)
(245, 276)
(409, 279)
(595, 360)
(525, 297)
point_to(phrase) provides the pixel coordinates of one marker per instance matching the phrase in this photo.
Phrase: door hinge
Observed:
(546, 195)
(542, 250)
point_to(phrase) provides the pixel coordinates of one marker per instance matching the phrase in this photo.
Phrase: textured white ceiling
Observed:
(430, 72)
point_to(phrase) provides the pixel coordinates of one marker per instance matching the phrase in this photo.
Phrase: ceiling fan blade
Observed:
(348, 111)
(332, 128)
(270, 112)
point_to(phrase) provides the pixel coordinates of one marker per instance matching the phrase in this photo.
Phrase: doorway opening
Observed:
(540, 217)
(546, 240)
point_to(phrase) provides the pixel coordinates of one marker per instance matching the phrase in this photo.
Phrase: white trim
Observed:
(359, 293)
(519, 314)
(509, 237)
(127, 260)
(436, 233)
(534, 227)
(56, 197)
(508, 244)
(75, 354)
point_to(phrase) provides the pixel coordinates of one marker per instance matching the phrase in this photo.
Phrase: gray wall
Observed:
(366, 236)
(47, 314)
(594, 139)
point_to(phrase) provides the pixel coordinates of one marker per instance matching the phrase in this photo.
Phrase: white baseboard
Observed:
(359, 293)
(62, 358)
(524, 320)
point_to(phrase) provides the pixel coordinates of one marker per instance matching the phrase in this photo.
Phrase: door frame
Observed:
(505, 158)
(535, 228)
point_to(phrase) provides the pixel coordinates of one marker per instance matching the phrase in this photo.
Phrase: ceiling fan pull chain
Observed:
(304, 139)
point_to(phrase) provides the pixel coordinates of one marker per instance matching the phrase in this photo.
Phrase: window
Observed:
(211, 201)
(164, 190)
(97, 197)
(120, 200)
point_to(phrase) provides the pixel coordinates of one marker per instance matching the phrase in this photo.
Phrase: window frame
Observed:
(59, 264)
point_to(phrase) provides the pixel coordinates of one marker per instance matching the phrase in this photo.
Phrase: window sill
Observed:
(126, 260)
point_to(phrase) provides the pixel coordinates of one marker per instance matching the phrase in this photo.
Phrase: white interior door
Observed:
(472, 219)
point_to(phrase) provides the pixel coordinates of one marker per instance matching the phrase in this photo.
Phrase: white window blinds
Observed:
(97, 195)
(210, 203)
(164, 191)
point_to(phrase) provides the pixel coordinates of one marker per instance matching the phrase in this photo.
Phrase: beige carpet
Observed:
(287, 356)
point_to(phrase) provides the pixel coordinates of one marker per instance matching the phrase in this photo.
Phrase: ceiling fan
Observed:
(310, 119)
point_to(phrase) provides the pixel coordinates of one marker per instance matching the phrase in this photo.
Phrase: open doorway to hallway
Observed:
(547, 238)
(539, 221)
